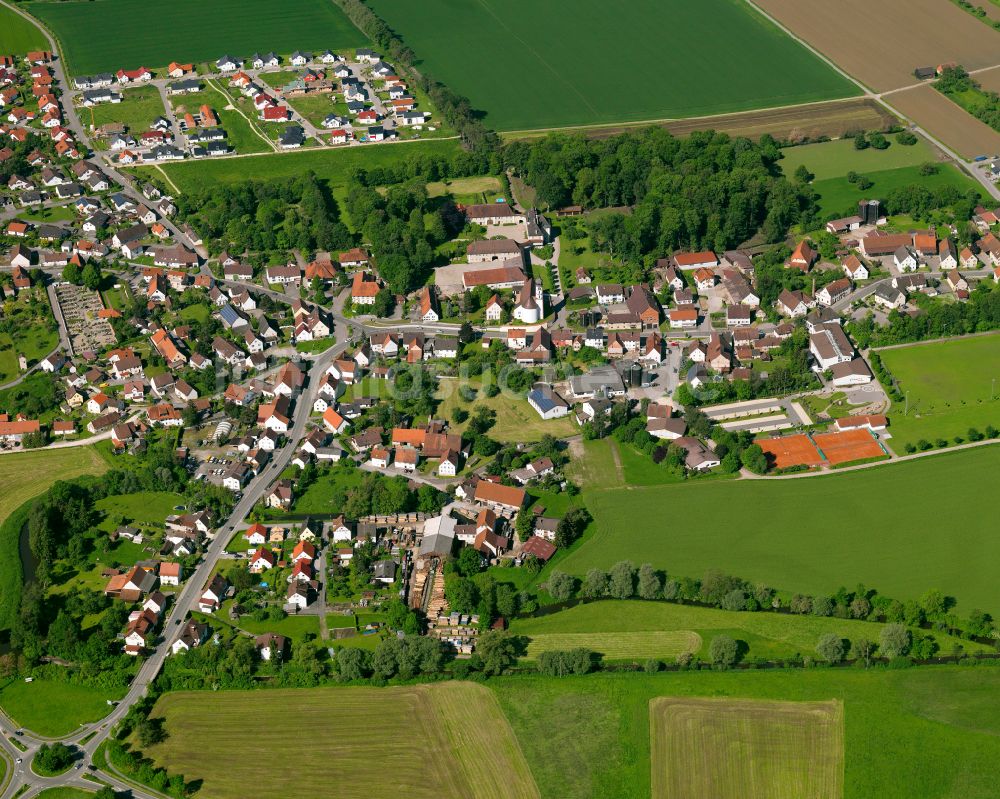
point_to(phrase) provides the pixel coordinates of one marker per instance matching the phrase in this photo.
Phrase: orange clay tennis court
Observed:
(797, 450)
(849, 445)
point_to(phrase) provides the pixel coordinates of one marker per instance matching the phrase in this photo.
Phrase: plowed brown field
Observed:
(881, 43)
(947, 121)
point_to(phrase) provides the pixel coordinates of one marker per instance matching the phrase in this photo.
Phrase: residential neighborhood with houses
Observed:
(333, 401)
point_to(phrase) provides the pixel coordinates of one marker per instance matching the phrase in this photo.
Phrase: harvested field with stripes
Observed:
(666, 644)
(746, 749)
(370, 743)
(947, 121)
(860, 36)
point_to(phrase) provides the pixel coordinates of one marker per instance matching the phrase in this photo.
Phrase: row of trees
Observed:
(716, 589)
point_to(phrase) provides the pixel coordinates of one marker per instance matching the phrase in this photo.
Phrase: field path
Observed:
(617, 460)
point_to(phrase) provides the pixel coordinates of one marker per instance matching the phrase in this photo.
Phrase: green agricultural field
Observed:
(834, 159)
(838, 196)
(922, 733)
(438, 734)
(51, 708)
(951, 386)
(111, 34)
(19, 35)
(813, 534)
(137, 110)
(333, 166)
(630, 630)
(589, 64)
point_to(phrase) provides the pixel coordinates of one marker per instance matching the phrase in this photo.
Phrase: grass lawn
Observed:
(579, 88)
(332, 166)
(19, 35)
(115, 33)
(144, 508)
(194, 313)
(631, 630)
(437, 733)
(63, 793)
(318, 498)
(314, 107)
(58, 213)
(837, 196)
(590, 736)
(53, 709)
(813, 534)
(516, 420)
(137, 110)
(34, 341)
(468, 190)
(950, 386)
(294, 627)
(834, 159)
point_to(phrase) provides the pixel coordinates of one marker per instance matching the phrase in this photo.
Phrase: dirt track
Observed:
(882, 43)
(795, 123)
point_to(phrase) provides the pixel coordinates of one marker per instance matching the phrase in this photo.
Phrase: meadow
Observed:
(19, 35)
(332, 166)
(145, 508)
(601, 69)
(813, 534)
(837, 196)
(52, 709)
(112, 34)
(834, 159)
(746, 749)
(418, 741)
(138, 110)
(590, 736)
(516, 420)
(632, 630)
(33, 341)
(950, 386)
(26, 475)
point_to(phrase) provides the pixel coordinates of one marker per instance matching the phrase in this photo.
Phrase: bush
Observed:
(830, 647)
(723, 651)
(562, 663)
